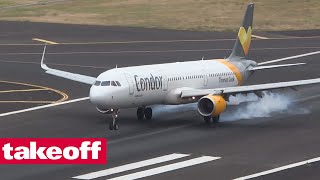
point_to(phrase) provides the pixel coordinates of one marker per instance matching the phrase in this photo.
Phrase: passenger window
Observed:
(105, 83)
(97, 83)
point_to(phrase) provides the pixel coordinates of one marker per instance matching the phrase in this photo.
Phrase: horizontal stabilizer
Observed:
(274, 66)
(289, 58)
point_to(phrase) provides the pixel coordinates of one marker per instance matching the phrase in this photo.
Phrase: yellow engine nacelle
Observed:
(211, 105)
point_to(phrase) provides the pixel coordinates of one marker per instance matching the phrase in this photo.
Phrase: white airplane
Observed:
(210, 83)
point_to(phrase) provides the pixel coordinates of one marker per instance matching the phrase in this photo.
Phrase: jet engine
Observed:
(211, 105)
(104, 111)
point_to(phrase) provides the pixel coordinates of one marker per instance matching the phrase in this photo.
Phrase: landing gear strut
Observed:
(207, 119)
(210, 119)
(143, 112)
(216, 119)
(113, 124)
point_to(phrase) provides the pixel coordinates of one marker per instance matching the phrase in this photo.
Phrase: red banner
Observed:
(53, 151)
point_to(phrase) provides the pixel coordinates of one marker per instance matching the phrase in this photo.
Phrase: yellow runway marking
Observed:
(173, 41)
(154, 51)
(259, 37)
(22, 90)
(64, 95)
(44, 41)
(159, 41)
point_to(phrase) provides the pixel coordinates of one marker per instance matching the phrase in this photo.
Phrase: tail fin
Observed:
(242, 45)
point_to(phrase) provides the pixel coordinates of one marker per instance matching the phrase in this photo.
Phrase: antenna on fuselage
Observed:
(116, 66)
(202, 58)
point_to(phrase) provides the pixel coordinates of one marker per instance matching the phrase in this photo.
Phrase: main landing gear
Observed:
(211, 119)
(144, 112)
(113, 124)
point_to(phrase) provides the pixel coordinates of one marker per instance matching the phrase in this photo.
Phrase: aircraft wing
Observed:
(67, 75)
(247, 89)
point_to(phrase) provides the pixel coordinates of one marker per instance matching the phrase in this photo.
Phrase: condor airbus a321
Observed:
(210, 83)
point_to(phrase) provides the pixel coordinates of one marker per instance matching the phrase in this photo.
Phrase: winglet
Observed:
(44, 66)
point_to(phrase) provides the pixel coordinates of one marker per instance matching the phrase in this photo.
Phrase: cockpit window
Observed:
(105, 83)
(97, 83)
(113, 83)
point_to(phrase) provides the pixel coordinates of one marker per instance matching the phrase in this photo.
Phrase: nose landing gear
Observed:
(113, 124)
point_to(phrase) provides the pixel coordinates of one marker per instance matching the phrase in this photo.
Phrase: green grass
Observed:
(205, 15)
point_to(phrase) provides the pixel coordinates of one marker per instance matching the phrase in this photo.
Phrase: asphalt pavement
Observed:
(280, 130)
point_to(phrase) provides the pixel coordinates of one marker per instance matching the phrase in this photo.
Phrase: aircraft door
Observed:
(165, 83)
(205, 78)
(130, 83)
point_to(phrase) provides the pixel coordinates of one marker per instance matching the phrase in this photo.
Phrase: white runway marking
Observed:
(167, 168)
(161, 51)
(149, 133)
(43, 107)
(279, 169)
(152, 41)
(307, 98)
(131, 166)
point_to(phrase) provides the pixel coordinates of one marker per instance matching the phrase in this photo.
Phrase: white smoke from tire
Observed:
(240, 107)
(174, 111)
(255, 107)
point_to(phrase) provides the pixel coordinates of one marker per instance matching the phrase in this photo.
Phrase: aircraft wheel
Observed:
(148, 113)
(140, 113)
(111, 126)
(216, 119)
(115, 127)
(207, 119)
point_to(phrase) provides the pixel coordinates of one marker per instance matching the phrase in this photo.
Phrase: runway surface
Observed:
(244, 143)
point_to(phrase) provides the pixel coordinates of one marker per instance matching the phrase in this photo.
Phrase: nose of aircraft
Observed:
(97, 96)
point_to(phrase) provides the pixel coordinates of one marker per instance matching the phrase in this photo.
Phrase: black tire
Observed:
(148, 113)
(140, 113)
(207, 119)
(115, 127)
(216, 119)
(111, 126)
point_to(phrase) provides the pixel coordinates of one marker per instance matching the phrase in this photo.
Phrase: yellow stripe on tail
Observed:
(234, 69)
